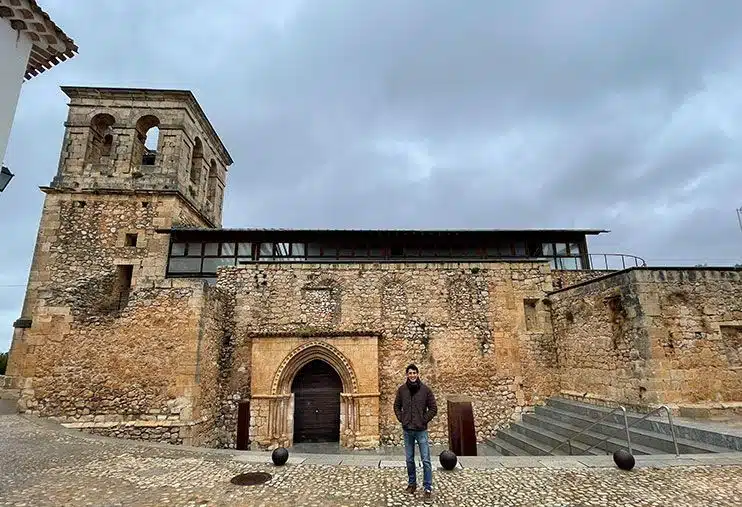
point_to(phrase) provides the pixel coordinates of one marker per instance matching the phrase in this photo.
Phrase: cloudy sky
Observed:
(426, 114)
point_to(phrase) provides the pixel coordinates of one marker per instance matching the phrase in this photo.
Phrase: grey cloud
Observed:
(427, 113)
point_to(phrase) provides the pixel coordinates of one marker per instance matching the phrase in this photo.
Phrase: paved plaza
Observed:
(43, 464)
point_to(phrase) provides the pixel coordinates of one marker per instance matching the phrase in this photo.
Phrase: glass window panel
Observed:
(574, 249)
(244, 249)
(547, 249)
(266, 250)
(211, 249)
(281, 249)
(329, 251)
(313, 249)
(552, 263)
(211, 264)
(244, 260)
(520, 249)
(429, 253)
(178, 249)
(184, 265)
(348, 252)
(569, 263)
(298, 250)
(561, 248)
(377, 253)
(227, 250)
(579, 263)
(194, 249)
(504, 250)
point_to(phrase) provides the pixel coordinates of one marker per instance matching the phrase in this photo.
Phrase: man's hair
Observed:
(412, 367)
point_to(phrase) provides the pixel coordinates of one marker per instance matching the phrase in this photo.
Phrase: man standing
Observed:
(415, 407)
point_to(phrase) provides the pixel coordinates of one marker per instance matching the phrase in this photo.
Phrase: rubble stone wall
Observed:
(213, 337)
(136, 364)
(89, 351)
(464, 325)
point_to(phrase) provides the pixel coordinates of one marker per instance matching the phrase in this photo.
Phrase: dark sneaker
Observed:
(411, 488)
(427, 495)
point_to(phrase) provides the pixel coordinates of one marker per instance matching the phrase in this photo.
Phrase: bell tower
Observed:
(122, 140)
(133, 162)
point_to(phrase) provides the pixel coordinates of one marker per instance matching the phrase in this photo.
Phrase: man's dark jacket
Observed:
(415, 411)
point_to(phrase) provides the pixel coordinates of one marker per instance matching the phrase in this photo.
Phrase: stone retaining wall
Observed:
(171, 432)
(648, 336)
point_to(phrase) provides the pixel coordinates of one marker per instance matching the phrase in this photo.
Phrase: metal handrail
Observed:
(669, 420)
(583, 430)
(626, 428)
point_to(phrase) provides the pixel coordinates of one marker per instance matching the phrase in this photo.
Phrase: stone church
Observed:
(145, 319)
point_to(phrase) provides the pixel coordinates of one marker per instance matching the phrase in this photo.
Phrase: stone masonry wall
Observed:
(124, 365)
(648, 336)
(464, 325)
(603, 347)
(561, 279)
(82, 237)
(214, 337)
(694, 319)
(94, 353)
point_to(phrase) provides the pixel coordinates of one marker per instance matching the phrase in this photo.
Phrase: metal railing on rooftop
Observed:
(614, 261)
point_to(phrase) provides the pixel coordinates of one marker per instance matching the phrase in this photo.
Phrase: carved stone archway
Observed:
(303, 355)
(281, 418)
(276, 361)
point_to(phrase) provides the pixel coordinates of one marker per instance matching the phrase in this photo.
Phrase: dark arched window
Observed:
(211, 195)
(197, 160)
(100, 142)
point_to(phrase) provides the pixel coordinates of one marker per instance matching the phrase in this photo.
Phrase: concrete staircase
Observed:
(561, 418)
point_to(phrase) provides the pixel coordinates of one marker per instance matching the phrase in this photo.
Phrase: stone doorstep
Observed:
(133, 424)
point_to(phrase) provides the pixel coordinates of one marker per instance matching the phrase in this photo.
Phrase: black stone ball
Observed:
(280, 456)
(624, 459)
(448, 459)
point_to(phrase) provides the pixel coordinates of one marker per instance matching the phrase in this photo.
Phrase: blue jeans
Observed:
(410, 436)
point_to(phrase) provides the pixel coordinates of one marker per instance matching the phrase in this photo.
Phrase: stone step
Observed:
(529, 446)
(658, 442)
(504, 448)
(593, 436)
(653, 431)
(550, 439)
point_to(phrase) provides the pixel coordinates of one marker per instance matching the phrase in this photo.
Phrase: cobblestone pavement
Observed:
(42, 464)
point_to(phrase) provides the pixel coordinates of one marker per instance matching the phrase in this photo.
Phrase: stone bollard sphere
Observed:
(448, 460)
(624, 459)
(280, 456)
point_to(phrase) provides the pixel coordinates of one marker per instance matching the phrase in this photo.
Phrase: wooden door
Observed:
(243, 426)
(317, 388)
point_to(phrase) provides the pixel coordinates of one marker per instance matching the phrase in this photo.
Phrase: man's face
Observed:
(412, 375)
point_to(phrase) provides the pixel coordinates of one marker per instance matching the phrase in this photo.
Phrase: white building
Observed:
(30, 43)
